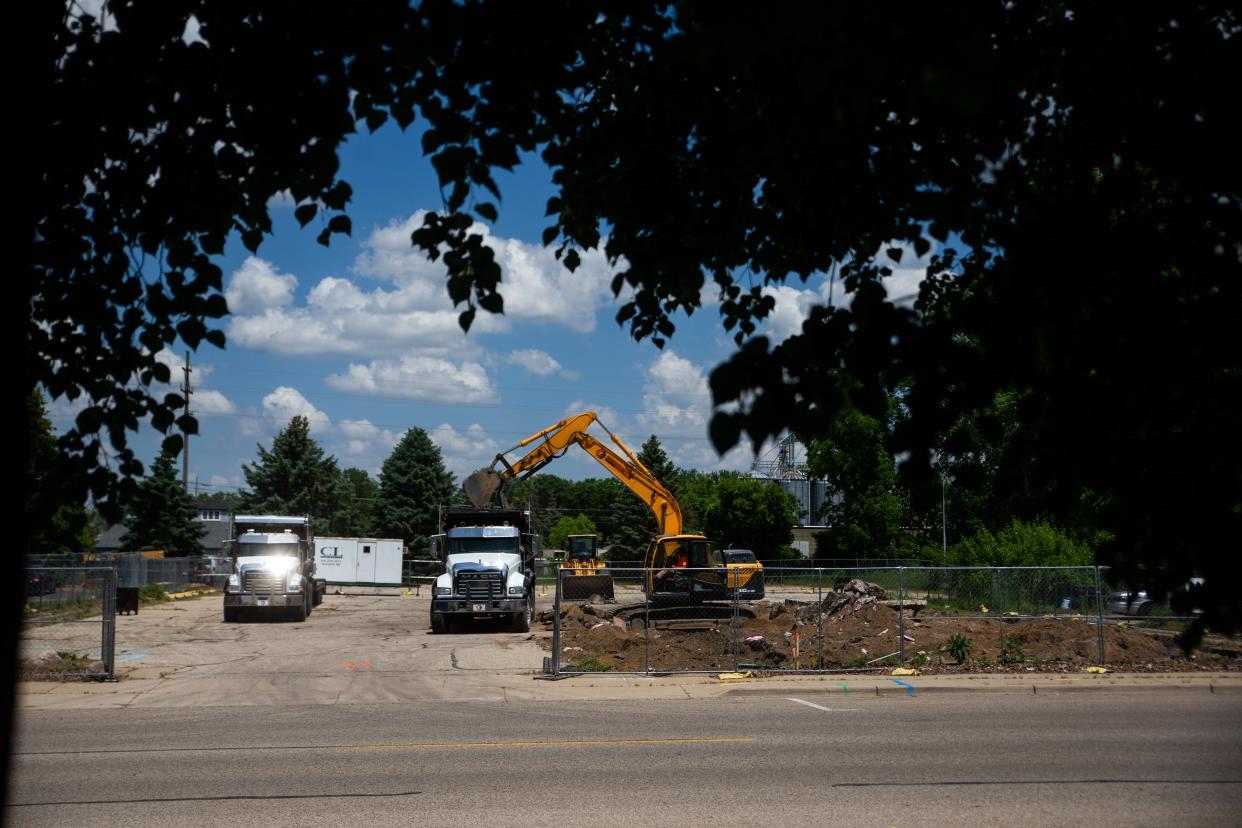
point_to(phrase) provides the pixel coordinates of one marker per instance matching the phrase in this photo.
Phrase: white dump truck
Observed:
(273, 568)
(488, 559)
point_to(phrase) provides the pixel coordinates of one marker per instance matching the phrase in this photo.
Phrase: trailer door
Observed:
(366, 562)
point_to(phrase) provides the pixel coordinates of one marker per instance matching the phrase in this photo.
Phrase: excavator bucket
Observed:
(480, 485)
(580, 587)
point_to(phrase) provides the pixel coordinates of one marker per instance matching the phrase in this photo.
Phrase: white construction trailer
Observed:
(359, 561)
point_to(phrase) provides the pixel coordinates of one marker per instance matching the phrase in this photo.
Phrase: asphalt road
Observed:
(1155, 757)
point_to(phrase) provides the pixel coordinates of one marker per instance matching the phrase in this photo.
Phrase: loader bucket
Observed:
(576, 587)
(480, 485)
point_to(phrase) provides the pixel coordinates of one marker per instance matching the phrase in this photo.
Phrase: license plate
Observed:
(262, 602)
(480, 607)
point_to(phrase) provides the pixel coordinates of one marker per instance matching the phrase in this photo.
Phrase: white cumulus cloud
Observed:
(285, 403)
(464, 451)
(256, 287)
(537, 362)
(418, 378)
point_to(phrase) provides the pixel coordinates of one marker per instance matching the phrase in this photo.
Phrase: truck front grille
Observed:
(266, 582)
(480, 586)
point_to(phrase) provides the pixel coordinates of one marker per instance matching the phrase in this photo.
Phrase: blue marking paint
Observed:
(134, 656)
(909, 687)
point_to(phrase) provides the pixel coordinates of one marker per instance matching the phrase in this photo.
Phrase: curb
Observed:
(908, 687)
(194, 593)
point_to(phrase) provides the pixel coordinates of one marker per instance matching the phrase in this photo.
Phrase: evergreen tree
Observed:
(67, 526)
(162, 515)
(295, 477)
(413, 486)
(653, 456)
(361, 504)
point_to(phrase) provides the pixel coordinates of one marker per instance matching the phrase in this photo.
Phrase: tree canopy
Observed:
(413, 487)
(162, 515)
(296, 477)
(1067, 173)
(558, 538)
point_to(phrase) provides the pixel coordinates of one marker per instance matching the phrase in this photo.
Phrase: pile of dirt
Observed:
(856, 627)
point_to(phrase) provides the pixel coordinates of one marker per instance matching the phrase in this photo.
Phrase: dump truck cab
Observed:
(488, 559)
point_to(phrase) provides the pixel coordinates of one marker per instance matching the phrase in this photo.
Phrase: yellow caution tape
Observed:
(905, 671)
(728, 676)
(1095, 669)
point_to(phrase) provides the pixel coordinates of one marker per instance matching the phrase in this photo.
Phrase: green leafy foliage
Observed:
(566, 526)
(959, 647)
(187, 147)
(62, 525)
(1022, 544)
(413, 487)
(751, 514)
(162, 515)
(869, 516)
(1011, 652)
(1068, 169)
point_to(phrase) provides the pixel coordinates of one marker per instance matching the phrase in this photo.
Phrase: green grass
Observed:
(590, 665)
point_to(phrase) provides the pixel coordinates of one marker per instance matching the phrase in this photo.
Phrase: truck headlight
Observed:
(234, 584)
(295, 583)
(516, 590)
(443, 591)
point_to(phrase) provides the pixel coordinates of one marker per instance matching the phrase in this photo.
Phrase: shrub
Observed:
(959, 648)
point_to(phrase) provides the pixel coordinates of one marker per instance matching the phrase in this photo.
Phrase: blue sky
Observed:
(361, 337)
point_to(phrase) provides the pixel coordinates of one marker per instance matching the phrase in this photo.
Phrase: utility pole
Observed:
(185, 437)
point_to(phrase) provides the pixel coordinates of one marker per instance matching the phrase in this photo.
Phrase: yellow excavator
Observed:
(678, 566)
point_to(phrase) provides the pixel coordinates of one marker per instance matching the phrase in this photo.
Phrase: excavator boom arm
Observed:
(625, 466)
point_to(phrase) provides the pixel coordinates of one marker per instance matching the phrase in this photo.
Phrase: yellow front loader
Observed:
(583, 574)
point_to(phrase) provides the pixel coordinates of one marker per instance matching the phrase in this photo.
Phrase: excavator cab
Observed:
(583, 574)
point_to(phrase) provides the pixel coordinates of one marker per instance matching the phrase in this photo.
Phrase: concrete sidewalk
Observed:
(364, 685)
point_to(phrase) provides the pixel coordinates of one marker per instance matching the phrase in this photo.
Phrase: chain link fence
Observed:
(798, 619)
(137, 570)
(69, 629)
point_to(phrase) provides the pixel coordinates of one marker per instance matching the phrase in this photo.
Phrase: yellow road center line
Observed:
(546, 743)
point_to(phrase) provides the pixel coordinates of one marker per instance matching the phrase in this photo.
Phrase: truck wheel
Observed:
(299, 612)
(231, 615)
(521, 620)
(439, 624)
(310, 603)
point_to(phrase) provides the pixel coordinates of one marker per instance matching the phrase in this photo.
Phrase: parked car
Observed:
(1128, 603)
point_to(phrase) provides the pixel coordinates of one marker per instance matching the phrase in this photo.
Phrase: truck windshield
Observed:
(258, 549)
(473, 546)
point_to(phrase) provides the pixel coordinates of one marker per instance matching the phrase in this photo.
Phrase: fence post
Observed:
(997, 592)
(819, 621)
(735, 627)
(556, 626)
(1099, 616)
(644, 574)
(901, 615)
(107, 648)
